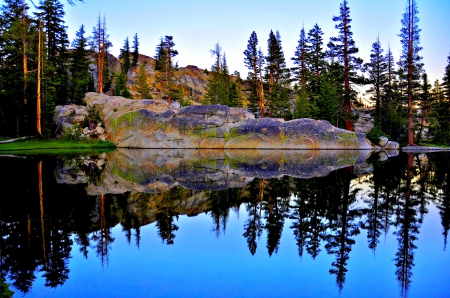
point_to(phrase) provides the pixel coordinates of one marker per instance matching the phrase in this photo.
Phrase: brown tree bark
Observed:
(348, 106)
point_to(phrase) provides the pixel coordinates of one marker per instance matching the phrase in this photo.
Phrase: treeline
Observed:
(39, 71)
(321, 85)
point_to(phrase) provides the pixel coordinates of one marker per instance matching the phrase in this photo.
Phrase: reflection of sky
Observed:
(200, 265)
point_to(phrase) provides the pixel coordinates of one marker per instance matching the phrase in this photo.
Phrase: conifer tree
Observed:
(100, 44)
(316, 55)
(56, 48)
(125, 56)
(410, 61)
(251, 62)
(79, 67)
(16, 48)
(160, 56)
(214, 77)
(377, 69)
(425, 102)
(135, 50)
(141, 83)
(343, 49)
(300, 60)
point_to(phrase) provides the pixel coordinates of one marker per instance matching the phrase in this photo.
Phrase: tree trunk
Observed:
(410, 76)
(348, 106)
(38, 100)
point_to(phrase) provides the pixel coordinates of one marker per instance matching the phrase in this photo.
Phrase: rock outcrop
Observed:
(155, 124)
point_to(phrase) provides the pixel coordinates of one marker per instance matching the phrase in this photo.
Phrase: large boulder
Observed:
(156, 124)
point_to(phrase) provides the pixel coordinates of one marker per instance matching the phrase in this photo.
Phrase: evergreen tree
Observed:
(377, 69)
(300, 60)
(410, 61)
(100, 45)
(161, 55)
(425, 105)
(141, 83)
(212, 95)
(79, 67)
(57, 41)
(343, 49)
(441, 107)
(17, 41)
(446, 80)
(316, 56)
(251, 62)
(125, 57)
(135, 50)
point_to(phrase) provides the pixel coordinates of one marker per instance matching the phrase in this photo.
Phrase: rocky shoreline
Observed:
(156, 124)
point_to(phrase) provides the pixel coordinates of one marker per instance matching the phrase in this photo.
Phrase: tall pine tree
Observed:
(377, 69)
(410, 61)
(79, 67)
(344, 50)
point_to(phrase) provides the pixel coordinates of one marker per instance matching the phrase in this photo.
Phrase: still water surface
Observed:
(225, 224)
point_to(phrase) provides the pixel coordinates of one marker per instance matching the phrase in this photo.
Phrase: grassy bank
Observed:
(49, 145)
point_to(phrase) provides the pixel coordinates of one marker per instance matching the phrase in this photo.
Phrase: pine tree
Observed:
(343, 49)
(17, 40)
(135, 50)
(316, 56)
(377, 69)
(56, 48)
(251, 62)
(425, 104)
(79, 67)
(141, 83)
(100, 44)
(441, 108)
(410, 61)
(446, 80)
(300, 60)
(161, 55)
(212, 95)
(125, 56)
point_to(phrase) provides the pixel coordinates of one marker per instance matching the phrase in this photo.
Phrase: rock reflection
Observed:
(324, 213)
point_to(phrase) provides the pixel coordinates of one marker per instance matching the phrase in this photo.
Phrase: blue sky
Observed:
(197, 25)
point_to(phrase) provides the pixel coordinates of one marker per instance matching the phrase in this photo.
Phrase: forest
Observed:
(40, 69)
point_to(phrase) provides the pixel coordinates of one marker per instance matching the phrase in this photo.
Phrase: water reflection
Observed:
(325, 198)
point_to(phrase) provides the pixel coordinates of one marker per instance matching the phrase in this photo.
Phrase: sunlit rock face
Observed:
(155, 124)
(158, 171)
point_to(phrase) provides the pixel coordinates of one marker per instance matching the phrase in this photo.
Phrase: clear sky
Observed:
(197, 25)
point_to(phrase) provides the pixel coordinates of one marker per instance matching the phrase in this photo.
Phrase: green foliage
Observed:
(79, 67)
(120, 88)
(135, 50)
(141, 83)
(5, 291)
(375, 134)
(124, 57)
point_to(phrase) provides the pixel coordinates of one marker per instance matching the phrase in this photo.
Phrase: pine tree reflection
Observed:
(309, 211)
(253, 227)
(441, 181)
(343, 224)
(407, 225)
(103, 237)
(166, 226)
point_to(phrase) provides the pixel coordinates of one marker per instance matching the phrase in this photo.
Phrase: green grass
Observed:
(426, 144)
(51, 145)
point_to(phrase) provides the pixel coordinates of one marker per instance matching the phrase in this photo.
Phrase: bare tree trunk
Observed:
(38, 101)
(410, 75)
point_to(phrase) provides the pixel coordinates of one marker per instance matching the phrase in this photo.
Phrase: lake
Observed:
(215, 223)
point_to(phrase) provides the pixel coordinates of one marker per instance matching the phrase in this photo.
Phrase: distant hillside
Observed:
(191, 79)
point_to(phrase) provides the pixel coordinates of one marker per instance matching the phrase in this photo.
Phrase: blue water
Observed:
(204, 262)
